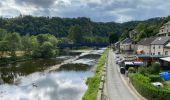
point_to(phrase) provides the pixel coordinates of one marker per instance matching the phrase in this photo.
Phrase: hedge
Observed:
(144, 87)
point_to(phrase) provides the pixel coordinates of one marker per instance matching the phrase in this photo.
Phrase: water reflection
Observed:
(10, 72)
(74, 67)
(50, 86)
(33, 83)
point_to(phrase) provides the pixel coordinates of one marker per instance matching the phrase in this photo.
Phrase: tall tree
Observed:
(75, 34)
(14, 43)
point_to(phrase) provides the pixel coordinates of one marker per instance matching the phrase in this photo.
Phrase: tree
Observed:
(3, 33)
(113, 37)
(26, 44)
(47, 50)
(14, 43)
(75, 34)
(156, 67)
(3, 47)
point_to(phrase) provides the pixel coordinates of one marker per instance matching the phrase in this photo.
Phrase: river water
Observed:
(29, 80)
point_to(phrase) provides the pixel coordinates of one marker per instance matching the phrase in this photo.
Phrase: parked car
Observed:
(158, 84)
(117, 60)
(122, 70)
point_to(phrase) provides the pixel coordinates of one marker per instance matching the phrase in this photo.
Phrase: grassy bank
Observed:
(94, 81)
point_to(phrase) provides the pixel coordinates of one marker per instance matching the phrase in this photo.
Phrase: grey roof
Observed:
(167, 23)
(161, 40)
(167, 45)
(146, 41)
(117, 42)
(127, 41)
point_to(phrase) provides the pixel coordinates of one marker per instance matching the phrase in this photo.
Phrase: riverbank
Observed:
(94, 81)
(4, 61)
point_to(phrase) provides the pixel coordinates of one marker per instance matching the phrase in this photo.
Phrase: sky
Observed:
(98, 10)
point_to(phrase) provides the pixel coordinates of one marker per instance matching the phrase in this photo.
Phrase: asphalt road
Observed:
(116, 89)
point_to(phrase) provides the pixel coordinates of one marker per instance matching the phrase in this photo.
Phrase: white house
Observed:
(144, 46)
(167, 49)
(126, 45)
(158, 45)
(165, 30)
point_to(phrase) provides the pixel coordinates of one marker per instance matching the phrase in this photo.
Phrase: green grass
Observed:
(94, 81)
(167, 84)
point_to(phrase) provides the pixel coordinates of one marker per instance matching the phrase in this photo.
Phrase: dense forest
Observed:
(81, 30)
(66, 29)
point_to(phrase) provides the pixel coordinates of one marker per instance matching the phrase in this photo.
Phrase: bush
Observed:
(155, 78)
(142, 70)
(144, 87)
(131, 70)
(156, 67)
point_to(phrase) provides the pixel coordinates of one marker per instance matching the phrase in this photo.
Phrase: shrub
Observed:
(142, 70)
(144, 87)
(156, 67)
(132, 70)
(155, 78)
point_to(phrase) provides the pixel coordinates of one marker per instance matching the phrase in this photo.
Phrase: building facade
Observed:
(126, 45)
(144, 46)
(158, 45)
(165, 30)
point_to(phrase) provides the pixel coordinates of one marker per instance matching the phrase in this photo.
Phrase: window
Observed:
(159, 47)
(153, 53)
(153, 47)
(166, 52)
(159, 53)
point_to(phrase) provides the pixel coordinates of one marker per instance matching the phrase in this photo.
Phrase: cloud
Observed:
(37, 3)
(97, 10)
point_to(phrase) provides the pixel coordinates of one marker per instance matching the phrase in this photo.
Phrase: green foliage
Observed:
(94, 81)
(113, 37)
(144, 87)
(153, 69)
(14, 43)
(142, 70)
(47, 50)
(131, 70)
(42, 45)
(75, 34)
(156, 68)
(155, 78)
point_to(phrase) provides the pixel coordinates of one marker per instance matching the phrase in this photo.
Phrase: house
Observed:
(165, 62)
(165, 30)
(144, 46)
(126, 45)
(158, 45)
(167, 49)
(117, 45)
(132, 33)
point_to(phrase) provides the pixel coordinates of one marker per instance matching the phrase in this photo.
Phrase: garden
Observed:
(146, 79)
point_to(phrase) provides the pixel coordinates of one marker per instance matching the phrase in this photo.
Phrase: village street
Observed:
(116, 89)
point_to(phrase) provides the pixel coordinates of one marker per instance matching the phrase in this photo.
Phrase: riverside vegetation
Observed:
(40, 46)
(94, 81)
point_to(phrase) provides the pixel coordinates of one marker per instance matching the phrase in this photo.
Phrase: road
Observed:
(116, 89)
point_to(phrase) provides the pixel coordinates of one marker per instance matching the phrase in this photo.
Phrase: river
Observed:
(30, 80)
